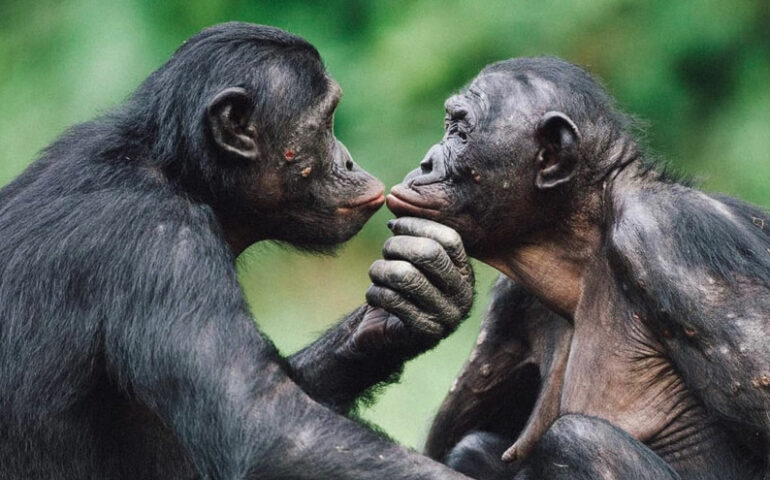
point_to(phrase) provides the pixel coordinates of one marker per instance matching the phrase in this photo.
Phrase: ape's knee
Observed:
(581, 447)
(569, 430)
(478, 455)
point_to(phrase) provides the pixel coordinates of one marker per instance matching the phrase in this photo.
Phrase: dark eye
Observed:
(349, 164)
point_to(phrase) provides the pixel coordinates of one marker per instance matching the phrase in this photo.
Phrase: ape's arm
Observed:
(500, 385)
(333, 374)
(422, 289)
(699, 273)
(194, 357)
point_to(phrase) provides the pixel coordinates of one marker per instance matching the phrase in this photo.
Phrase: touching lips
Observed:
(405, 201)
(366, 201)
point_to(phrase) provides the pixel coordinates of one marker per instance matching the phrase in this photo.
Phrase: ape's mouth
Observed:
(367, 201)
(404, 201)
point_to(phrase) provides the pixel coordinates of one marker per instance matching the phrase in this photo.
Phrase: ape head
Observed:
(519, 143)
(244, 119)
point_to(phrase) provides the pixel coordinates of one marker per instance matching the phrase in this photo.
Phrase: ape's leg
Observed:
(478, 455)
(576, 447)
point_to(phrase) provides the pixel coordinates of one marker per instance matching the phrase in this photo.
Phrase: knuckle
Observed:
(380, 296)
(453, 238)
(453, 316)
(388, 245)
(376, 268)
(426, 325)
(395, 242)
(431, 249)
(399, 270)
(414, 283)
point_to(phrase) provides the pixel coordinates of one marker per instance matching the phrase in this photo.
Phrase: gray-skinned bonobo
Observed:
(634, 341)
(127, 349)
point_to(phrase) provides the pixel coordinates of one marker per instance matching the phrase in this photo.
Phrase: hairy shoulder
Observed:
(699, 264)
(676, 231)
(113, 233)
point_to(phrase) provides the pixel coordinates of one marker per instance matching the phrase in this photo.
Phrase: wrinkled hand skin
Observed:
(421, 290)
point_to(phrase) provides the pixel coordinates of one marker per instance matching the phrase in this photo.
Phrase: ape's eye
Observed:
(456, 130)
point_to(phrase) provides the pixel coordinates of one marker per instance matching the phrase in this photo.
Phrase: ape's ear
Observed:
(559, 141)
(229, 115)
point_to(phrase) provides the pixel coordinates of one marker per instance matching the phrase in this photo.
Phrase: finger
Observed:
(405, 279)
(420, 227)
(399, 306)
(430, 257)
(378, 327)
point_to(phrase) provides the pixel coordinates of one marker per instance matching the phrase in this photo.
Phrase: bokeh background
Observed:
(697, 72)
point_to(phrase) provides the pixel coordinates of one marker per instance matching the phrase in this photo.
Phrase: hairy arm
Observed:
(422, 289)
(192, 354)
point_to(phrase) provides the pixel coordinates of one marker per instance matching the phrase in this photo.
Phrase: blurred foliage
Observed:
(697, 72)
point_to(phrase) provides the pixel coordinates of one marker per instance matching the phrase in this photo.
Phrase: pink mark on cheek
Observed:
(289, 155)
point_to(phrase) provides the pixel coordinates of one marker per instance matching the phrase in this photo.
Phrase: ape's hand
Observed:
(422, 289)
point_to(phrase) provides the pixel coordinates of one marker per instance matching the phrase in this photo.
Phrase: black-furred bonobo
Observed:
(634, 342)
(126, 346)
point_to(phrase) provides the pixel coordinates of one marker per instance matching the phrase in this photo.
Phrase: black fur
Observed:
(127, 349)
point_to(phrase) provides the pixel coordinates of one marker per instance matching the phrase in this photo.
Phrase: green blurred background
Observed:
(698, 72)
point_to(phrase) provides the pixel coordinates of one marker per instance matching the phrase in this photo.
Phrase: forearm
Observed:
(318, 443)
(421, 290)
(336, 373)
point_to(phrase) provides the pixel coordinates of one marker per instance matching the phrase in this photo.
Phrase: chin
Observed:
(470, 233)
(326, 239)
(331, 249)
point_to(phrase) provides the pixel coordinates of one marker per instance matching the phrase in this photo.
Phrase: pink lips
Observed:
(404, 201)
(366, 201)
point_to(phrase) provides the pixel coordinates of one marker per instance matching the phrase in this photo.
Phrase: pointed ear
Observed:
(559, 141)
(228, 116)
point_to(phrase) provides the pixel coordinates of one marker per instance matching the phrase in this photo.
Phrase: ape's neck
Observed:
(551, 272)
(237, 232)
(553, 264)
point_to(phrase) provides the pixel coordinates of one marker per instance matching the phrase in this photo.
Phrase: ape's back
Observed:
(81, 239)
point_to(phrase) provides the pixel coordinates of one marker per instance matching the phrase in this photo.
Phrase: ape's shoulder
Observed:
(663, 230)
(698, 266)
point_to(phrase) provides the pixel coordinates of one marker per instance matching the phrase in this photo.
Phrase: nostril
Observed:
(426, 165)
(349, 164)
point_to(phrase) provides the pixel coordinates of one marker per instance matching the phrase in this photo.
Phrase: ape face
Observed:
(326, 196)
(296, 182)
(492, 175)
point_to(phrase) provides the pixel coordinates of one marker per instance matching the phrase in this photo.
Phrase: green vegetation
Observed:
(697, 72)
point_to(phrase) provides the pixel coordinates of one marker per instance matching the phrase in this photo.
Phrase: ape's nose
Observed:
(426, 165)
(431, 169)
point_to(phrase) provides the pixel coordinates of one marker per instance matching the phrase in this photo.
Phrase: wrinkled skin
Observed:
(467, 181)
(660, 359)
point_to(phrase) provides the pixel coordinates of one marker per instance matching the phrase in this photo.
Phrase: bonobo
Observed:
(634, 341)
(127, 349)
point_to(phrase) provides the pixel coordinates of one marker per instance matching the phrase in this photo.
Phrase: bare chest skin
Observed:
(617, 370)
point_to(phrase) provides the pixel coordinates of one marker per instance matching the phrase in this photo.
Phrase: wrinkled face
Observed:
(299, 184)
(477, 178)
(326, 196)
